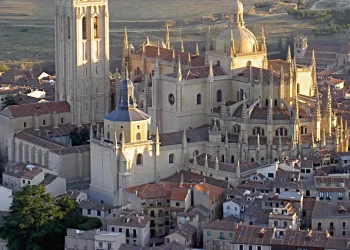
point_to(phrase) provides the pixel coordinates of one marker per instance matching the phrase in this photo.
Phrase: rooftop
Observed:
(22, 170)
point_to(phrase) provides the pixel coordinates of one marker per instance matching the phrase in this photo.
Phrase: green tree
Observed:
(8, 101)
(4, 68)
(30, 220)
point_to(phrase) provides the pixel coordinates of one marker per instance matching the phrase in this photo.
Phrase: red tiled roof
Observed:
(179, 194)
(26, 110)
(214, 192)
(309, 203)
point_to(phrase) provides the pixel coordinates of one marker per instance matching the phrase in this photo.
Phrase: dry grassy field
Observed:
(26, 26)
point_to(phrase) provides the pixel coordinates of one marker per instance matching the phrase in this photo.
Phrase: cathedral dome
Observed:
(245, 40)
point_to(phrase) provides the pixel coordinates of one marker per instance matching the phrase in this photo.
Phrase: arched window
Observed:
(303, 130)
(84, 28)
(199, 99)
(108, 136)
(281, 132)
(171, 158)
(232, 159)
(236, 129)
(241, 94)
(222, 158)
(141, 105)
(139, 159)
(275, 102)
(217, 63)
(96, 27)
(195, 153)
(252, 159)
(258, 131)
(219, 96)
(68, 27)
(138, 136)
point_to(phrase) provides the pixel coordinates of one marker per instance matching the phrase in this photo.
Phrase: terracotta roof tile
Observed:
(198, 72)
(178, 194)
(214, 192)
(26, 110)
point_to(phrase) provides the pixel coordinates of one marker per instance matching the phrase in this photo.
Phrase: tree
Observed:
(4, 68)
(31, 214)
(8, 101)
(37, 221)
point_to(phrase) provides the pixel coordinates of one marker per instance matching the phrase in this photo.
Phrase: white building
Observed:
(232, 208)
(19, 175)
(5, 198)
(93, 239)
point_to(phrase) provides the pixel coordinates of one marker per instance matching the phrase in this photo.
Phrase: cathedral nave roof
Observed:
(167, 55)
(244, 73)
(200, 72)
(193, 135)
(225, 166)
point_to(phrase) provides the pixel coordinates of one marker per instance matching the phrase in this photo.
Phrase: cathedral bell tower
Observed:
(82, 58)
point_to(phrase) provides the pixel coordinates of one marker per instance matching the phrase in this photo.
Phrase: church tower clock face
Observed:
(171, 99)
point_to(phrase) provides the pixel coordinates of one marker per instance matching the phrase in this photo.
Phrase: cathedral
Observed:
(222, 115)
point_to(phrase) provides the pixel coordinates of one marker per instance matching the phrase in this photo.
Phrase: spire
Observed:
(296, 109)
(270, 110)
(329, 101)
(91, 133)
(125, 55)
(167, 37)
(123, 140)
(244, 108)
(317, 107)
(206, 162)
(158, 50)
(102, 140)
(147, 40)
(179, 71)
(289, 55)
(313, 75)
(323, 138)
(189, 58)
(174, 57)
(226, 139)
(238, 170)
(115, 140)
(281, 84)
(143, 48)
(126, 97)
(251, 75)
(182, 49)
(208, 40)
(258, 143)
(197, 50)
(98, 131)
(184, 139)
(217, 163)
(263, 40)
(182, 180)
(211, 71)
(232, 41)
(157, 135)
(271, 81)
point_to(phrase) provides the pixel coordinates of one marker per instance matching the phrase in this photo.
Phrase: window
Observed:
(232, 159)
(236, 129)
(267, 102)
(62, 120)
(138, 137)
(120, 136)
(84, 28)
(208, 233)
(222, 235)
(258, 131)
(68, 28)
(120, 230)
(89, 211)
(100, 244)
(24, 181)
(44, 122)
(250, 247)
(303, 130)
(96, 27)
(241, 247)
(24, 124)
(270, 175)
(177, 204)
(108, 136)
(199, 99)
(195, 153)
(258, 248)
(109, 246)
(112, 229)
(319, 226)
(275, 223)
(275, 102)
(171, 158)
(344, 224)
(228, 207)
(139, 159)
(98, 213)
(252, 159)
(171, 99)
(222, 158)
(219, 96)
(231, 235)
(281, 132)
